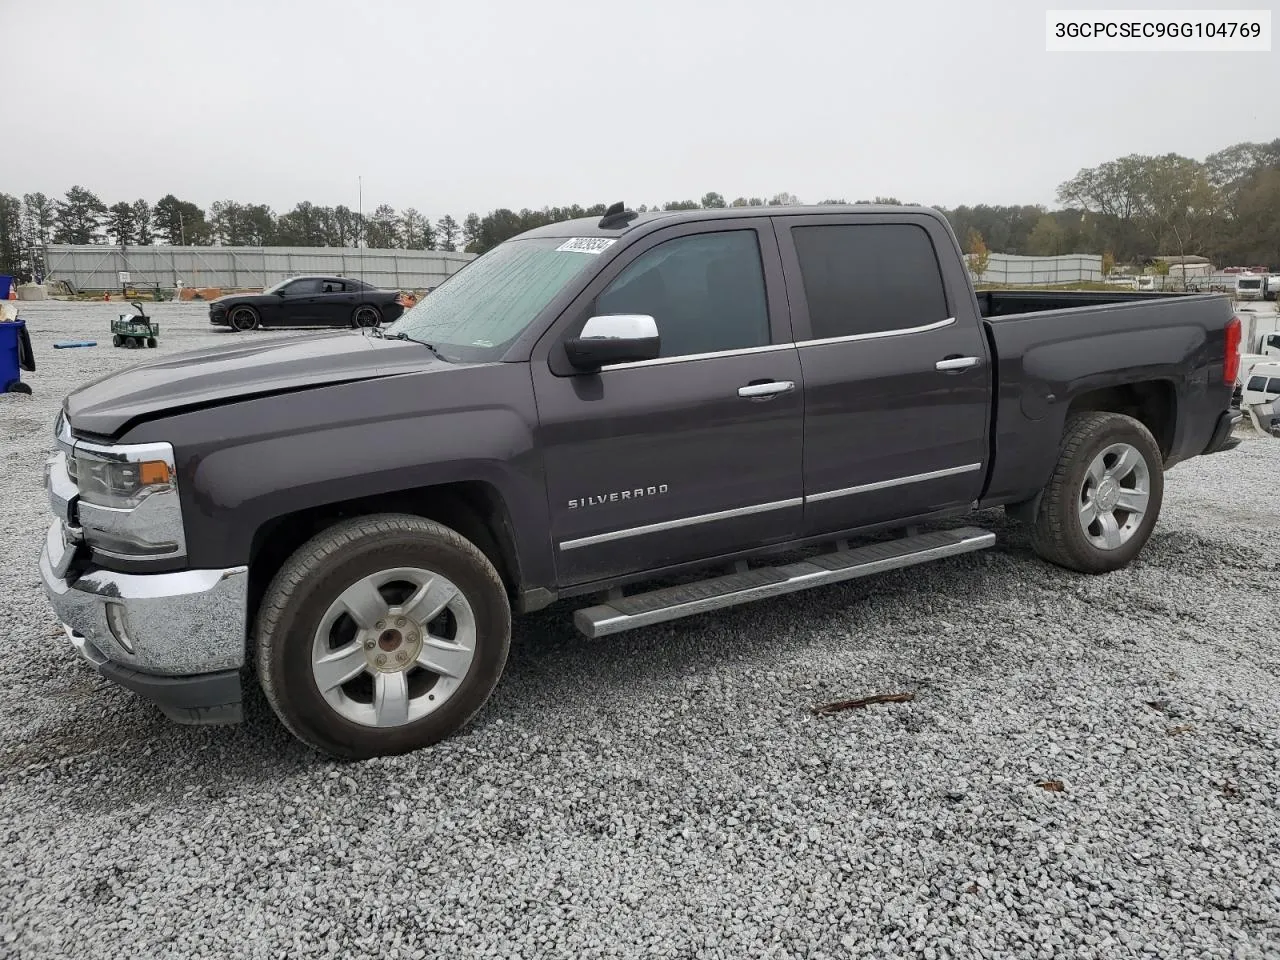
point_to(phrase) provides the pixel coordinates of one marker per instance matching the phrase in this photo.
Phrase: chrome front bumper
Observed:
(172, 624)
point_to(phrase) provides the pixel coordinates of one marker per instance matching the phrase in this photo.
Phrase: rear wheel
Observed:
(117, 340)
(151, 342)
(1104, 497)
(17, 386)
(243, 319)
(366, 315)
(381, 635)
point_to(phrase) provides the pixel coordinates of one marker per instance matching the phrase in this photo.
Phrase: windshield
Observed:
(479, 310)
(277, 285)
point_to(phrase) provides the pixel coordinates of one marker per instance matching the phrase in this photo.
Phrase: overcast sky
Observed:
(471, 105)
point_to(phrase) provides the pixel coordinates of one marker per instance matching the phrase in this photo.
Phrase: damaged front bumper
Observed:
(177, 639)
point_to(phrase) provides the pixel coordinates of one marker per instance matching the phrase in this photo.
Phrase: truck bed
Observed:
(1003, 303)
(1077, 343)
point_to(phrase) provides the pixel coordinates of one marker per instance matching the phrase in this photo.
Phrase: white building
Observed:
(1189, 266)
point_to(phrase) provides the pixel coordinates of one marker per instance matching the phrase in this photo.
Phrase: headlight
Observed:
(128, 505)
(118, 483)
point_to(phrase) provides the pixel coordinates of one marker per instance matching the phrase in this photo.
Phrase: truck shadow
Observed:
(114, 738)
(550, 659)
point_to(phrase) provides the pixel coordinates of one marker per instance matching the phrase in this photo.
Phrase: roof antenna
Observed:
(616, 216)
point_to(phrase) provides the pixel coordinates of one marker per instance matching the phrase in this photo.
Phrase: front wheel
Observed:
(151, 342)
(381, 635)
(17, 386)
(1104, 497)
(243, 319)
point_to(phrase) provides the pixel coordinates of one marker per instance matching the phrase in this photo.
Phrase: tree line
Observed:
(1226, 207)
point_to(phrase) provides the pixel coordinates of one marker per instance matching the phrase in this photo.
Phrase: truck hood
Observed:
(241, 371)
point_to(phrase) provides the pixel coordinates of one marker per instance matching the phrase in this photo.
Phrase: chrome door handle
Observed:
(957, 363)
(757, 390)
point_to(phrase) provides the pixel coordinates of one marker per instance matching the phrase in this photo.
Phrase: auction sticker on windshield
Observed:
(586, 245)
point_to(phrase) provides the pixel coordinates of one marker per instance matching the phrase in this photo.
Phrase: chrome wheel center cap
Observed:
(1108, 493)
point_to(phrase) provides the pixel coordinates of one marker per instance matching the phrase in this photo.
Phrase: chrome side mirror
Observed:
(617, 338)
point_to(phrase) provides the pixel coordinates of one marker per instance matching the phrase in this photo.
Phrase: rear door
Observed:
(336, 302)
(690, 456)
(895, 367)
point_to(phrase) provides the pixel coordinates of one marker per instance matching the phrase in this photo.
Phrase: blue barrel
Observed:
(15, 356)
(6, 284)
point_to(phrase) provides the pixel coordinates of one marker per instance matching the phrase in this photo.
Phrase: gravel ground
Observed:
(668, 793)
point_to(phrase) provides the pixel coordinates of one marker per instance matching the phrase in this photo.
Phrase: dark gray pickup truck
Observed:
(589, 407)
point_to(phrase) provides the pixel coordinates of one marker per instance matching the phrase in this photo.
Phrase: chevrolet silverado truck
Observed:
(660, 414)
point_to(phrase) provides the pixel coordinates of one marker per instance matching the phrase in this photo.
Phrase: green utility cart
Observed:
(134, 332)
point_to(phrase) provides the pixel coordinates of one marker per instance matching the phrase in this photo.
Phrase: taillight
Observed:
(1231, 363)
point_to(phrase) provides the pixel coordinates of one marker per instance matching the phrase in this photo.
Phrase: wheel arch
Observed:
(475, 509)
(1153, 403)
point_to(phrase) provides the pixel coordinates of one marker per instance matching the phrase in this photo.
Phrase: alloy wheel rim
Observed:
(1114, 496)
(394, 647)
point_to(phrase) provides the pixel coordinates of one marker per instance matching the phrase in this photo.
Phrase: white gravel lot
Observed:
(668, 793)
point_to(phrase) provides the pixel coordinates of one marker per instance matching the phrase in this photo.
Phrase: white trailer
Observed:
(1250, 286)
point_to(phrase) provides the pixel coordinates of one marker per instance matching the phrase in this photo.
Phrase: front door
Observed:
(693, 455)
(895, 365)
(299, 303)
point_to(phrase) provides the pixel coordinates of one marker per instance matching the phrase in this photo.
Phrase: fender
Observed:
(246, 463)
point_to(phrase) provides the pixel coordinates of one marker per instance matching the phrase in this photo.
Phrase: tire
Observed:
(366, 315)
(17, 386)
(1070, 528)
(302, 629)
(117, 340)
(151, 342)
(243, 319)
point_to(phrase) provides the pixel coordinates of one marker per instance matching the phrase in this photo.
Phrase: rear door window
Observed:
(1257, 383)
(869, 278)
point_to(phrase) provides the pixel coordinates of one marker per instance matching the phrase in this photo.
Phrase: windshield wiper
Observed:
(404, 336)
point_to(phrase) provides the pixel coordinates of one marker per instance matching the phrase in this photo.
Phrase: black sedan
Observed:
(309, 302)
